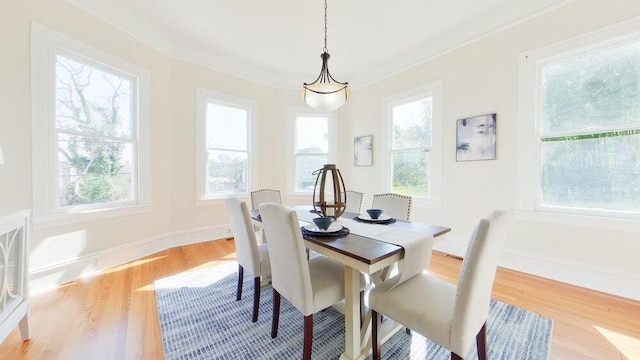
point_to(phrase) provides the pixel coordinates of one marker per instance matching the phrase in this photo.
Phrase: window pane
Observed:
(411, 172)
(601, 88)
(226, 127)
(305, 166)
(93, 170)
(92, 101)
(312, 135)
(412, 124)
(598, 171)
(227, 172)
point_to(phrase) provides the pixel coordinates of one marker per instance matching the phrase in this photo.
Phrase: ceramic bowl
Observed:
(323, 222)
(374, 213)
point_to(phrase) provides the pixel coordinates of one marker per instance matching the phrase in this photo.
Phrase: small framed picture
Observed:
(476, 138)
(363, 150)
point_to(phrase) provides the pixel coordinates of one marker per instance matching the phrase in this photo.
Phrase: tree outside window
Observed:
(95, 134)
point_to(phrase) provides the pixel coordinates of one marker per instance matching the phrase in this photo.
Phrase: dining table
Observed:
(360, 252)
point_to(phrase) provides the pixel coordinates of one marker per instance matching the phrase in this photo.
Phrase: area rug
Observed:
(201, 319)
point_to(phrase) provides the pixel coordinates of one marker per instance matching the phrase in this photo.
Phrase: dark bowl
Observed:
(374, 213)
(323, 222)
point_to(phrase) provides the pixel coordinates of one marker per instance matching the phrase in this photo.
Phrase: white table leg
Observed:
(352, 314)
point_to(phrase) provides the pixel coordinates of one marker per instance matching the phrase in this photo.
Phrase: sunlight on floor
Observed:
(133, 264)
(227, 266)
(627, 345)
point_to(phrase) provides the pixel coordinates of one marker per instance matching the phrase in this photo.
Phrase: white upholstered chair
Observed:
(251, 256)
(451, 316)
(395, 205)
(309, 285)
(262, 196)
(354, 201)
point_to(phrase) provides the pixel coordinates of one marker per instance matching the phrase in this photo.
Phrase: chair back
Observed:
(476, 278)
(395, 205)
(262, 196)
(245, 239)
(354, 201)
(289, 268)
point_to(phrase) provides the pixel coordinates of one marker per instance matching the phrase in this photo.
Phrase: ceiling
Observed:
(279, 42)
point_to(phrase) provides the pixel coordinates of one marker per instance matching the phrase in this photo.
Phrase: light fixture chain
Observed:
(325, 26)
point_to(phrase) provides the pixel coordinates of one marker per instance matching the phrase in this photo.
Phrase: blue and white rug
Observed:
(201, 319)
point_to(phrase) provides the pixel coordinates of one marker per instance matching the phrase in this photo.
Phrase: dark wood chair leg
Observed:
(455, 356)
(256, 298)
(275, 319)
(376, 320)
(363, 311)
(308, 337)
(481, 342)
(240, 276)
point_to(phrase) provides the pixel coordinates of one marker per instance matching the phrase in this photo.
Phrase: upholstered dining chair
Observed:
(251, 256)
(262, 196)
(451, 316)
(395, 205)
(309, 285)
(354, 201)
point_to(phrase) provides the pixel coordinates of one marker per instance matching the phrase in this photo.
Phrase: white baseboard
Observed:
(584, 275)
(46, 278)
(592, 277)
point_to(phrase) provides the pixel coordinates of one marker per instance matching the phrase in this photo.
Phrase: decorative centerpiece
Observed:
(329, 197)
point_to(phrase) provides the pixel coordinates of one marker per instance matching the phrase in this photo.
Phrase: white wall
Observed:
(63, 253)
(481, 78)
(478, 78)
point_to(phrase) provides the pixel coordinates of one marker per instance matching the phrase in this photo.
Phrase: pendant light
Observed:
(325, 93)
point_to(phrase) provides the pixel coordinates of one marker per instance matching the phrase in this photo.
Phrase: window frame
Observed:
(528, 177)
(204, 97)
(434, 90)
(293, 114)
(46, 44)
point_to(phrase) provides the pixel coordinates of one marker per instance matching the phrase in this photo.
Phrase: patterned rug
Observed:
(201, 319)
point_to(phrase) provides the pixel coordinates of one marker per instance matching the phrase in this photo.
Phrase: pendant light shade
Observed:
(325, 93)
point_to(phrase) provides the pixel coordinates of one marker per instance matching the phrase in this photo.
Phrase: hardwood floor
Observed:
(113, 316)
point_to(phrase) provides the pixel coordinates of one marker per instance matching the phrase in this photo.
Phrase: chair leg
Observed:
(308, 337)
(375, 340)
(256, 298)
(363, 311)
(240, 276)
(455, 356)
(275, 319)
(481, 342)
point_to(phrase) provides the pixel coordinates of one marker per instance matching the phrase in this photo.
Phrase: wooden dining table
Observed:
(361, 254)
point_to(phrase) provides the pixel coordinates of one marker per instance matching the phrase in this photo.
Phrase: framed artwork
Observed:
(476, 138)
(363, 150)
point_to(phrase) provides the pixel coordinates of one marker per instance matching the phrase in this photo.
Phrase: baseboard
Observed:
(584, 275)
(46, 278)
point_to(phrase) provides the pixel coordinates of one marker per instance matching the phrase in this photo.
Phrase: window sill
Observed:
(598, 222)
(221, 200)
(48, 221)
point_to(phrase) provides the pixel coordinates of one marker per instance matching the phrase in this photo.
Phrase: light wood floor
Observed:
(113, 316)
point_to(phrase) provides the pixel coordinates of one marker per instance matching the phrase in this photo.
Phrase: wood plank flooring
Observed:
(113, 316)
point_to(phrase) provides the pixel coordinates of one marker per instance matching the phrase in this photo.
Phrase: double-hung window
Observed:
(580, 126)
(312, 146)
(224, 144)
(88, 128)
(411, 137)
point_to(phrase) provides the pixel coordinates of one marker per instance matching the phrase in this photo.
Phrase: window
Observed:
(89, 143)
(224, 144)
(312, 146)
(411, 136)
(584, 127)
